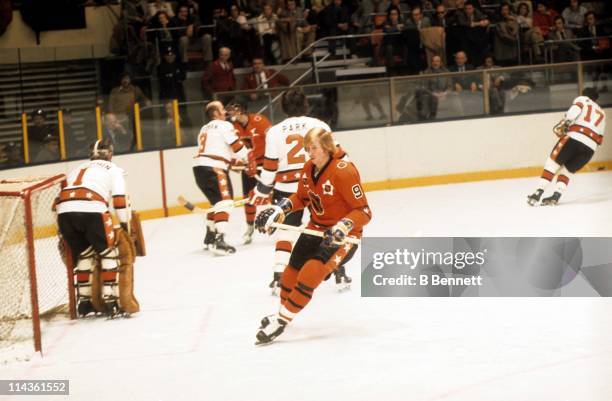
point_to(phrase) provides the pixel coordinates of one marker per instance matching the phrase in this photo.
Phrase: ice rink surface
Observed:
(193, 339)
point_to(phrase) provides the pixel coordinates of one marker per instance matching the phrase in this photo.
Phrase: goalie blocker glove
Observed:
(273, 214)
(336, 235)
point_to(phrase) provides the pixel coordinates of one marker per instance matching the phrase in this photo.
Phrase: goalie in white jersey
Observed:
(581, 131)
(283, 161)
(86, 225)
(218, 144)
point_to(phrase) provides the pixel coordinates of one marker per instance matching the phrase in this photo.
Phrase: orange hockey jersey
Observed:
(334, 194)
(254, 135)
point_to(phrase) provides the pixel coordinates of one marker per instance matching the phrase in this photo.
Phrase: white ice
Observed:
(194, 338)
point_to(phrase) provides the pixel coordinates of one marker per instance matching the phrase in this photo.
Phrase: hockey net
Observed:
(35, 282)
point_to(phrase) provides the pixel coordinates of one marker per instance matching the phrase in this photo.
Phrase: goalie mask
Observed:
(102, 149)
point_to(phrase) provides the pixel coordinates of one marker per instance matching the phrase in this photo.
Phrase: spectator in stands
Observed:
(267, 30)
(243, 37)
(544, 18)
(417, 20)
(163, 36)
(506, 39)
(415, 51)
(335, 20)
(433, 91)
(440, 17)
(188, 38)
(530, 35)
(76, 145)
(497, 94)
(129, 38)
(219, 77)
(122, 98)
(393, 44)
(43, 138)
(475, 25)
(403, 8)
(455, 32)
(463, 82)
(306, 30)
(158, 6)
(574, 15)
(263, 78)
(566, 50)
(193, 8)
(289, 19)
(171, 76)
(599, 46)
(113, 128)
(596, 48)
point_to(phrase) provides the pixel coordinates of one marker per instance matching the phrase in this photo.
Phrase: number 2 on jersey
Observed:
(292, 157)
(587, 118)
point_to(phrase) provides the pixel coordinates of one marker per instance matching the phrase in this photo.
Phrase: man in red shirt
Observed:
(219, 77)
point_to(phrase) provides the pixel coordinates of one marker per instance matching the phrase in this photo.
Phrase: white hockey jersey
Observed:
(285, 155)
(218, 143)
(92, 186)
(587, 122)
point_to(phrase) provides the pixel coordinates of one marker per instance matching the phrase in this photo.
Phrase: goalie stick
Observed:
(196, 209)
(280, 226)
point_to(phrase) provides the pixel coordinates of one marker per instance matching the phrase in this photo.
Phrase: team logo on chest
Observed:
(328, 188)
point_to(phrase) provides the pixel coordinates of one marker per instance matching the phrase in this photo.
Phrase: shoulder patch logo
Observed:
(341, 164)
(328, 188)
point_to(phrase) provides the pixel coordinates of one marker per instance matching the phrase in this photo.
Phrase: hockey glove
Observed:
(261, 195)
(561, 128)
(272, 214)
(336, 235)
(124, 227)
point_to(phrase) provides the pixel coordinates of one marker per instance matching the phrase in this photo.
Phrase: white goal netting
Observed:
(27, 237)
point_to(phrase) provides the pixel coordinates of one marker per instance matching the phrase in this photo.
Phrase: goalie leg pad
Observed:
(110, 272)
(127, 301)
(137, 235)
(83, 272)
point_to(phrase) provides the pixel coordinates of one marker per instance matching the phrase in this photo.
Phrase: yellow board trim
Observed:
(44, 232)
(415, 182)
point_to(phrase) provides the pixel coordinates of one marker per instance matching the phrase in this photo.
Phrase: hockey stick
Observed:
(280, 226)
(196, 209)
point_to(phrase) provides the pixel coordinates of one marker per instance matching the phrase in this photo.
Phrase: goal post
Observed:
(35, 276)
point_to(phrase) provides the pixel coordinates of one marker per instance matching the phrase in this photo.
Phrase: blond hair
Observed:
(324, 138)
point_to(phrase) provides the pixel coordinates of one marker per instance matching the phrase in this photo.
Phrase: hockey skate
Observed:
(275, 283)
(248, 235)
(535, 197)
(112, 307)
(274, 327)
(85, 307)
(343, 282)
(220, 247)
(552, 200)
(209, 238)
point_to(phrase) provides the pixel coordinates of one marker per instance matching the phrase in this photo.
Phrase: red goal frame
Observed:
(25, 194)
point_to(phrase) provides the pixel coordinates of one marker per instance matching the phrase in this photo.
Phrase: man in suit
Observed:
(463, 82)
(262, 78)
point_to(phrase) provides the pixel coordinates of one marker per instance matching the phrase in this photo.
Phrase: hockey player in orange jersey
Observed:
(331, 189)
(252, 129)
